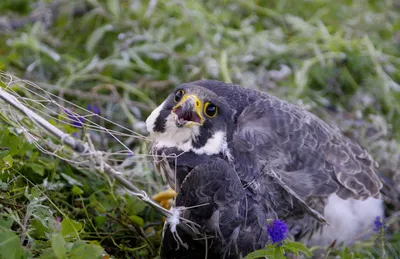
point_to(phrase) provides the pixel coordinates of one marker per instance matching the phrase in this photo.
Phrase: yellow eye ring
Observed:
(210, 110)
(178, 95)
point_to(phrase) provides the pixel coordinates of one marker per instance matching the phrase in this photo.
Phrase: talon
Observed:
(164, 198)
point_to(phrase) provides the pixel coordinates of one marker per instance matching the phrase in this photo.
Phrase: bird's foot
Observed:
(165, 198)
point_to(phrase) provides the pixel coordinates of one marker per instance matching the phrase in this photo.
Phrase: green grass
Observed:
(340, 59)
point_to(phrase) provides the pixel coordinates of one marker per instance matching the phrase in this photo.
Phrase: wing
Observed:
(174, 165)
(213, 197)
(304, 155)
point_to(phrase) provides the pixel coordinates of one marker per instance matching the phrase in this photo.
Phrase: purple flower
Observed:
(77, 121)
(379, 224)
(93, 108)
(277, 231)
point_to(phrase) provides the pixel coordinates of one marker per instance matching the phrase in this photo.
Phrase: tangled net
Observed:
(79, 136)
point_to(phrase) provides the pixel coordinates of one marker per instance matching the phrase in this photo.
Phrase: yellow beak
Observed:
(189, 111)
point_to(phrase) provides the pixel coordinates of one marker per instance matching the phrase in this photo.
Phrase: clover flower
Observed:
(277, 231)
(379, 224)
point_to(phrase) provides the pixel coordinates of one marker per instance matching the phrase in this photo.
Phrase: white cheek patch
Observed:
(214, 145)
(151, 120)
(174, 136)
(182, 138)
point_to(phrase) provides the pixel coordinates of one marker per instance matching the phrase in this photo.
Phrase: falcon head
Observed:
(192, 118)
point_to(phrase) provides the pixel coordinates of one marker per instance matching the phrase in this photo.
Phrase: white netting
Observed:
(80, 136)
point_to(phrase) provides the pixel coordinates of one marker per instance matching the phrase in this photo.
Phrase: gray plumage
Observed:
(259, 158)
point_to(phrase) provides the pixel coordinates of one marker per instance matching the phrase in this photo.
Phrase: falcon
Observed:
(238, 157)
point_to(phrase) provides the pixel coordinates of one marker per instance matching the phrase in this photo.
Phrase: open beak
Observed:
(188, 111)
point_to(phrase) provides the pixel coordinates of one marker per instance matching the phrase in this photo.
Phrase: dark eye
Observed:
(210, 110)
(178, 95)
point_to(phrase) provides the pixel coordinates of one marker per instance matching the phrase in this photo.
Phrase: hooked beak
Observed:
(188, 111)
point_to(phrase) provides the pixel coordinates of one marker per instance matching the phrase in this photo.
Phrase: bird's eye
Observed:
(210, 110)
(178, 95)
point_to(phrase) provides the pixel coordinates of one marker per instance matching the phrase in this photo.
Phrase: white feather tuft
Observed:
(151, 120)
(173, 220)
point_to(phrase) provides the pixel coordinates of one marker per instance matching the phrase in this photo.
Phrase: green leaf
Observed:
(347, 254)
(33, 194)
(36, 168)
(82, 250)
(76, 190)
(96, 204)
(8, 161)
(270, 251)
(137, 220)
(3, 187)
(48, 253)
(6, 222)
(100, 220)
(134, 206)
(58, 245)
(96, 37)
(296, 247)
(279, 253)
(3, 151)
(108, 202)
(70, 228)
(39, 228)
(113, 6)
(266, 252)
(71, 180)
(10, 246)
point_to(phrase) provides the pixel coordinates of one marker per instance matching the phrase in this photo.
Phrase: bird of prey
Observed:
(238, 157)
